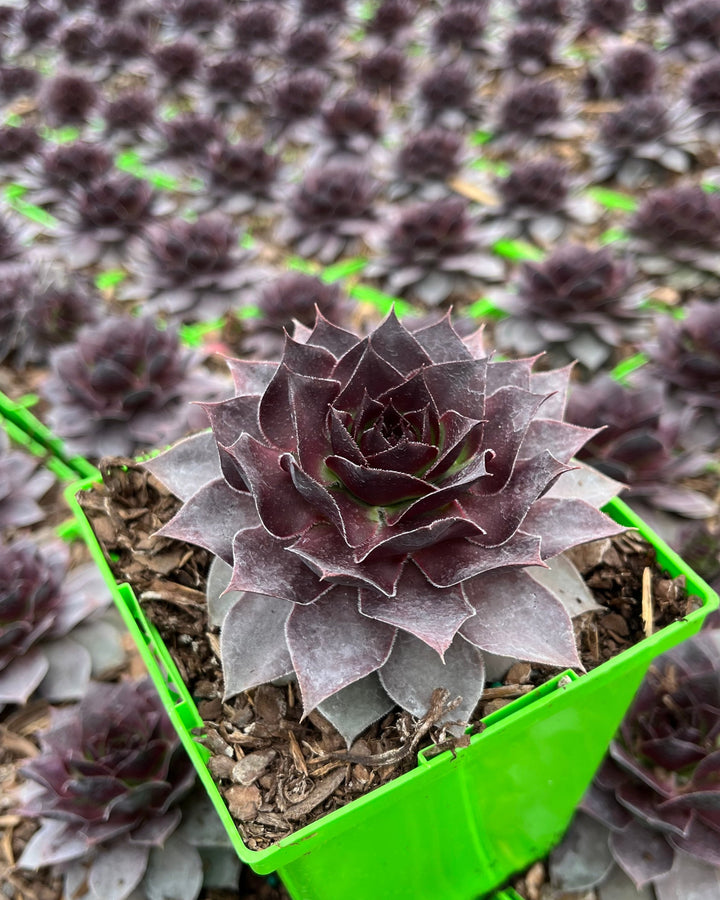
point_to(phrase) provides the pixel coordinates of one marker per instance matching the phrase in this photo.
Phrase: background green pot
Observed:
(456, 827)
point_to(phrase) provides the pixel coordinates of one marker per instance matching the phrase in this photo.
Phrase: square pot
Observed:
(457, 826)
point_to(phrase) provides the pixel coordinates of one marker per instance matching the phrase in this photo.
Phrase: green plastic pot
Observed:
(456, 827)
(17, 415)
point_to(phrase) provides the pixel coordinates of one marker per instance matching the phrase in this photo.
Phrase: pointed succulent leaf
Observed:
(219, 599)
(252, 642)
(117, 870)
(22, 676)
(582, 860)
(54, 842)
(643, 855)
(689, 879)
(174, 870)
(536, 627)
(188, 463)
(564, 581)
(323, 662)
(69, 669)
(262, 564)
(357, 706)
(566, 523)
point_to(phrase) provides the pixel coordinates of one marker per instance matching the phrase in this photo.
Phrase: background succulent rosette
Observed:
(378, 500)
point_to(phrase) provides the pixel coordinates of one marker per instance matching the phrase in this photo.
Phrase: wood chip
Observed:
(647, 601)
(473, 192)
(317, 795)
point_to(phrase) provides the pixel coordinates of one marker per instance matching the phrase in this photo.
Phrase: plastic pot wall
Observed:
(458, 827)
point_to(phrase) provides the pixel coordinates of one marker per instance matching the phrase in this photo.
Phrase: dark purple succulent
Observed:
(194, 271)
(639, 121)
(383, 71)
(430, 154)
(315, 9)
(299, 96)
(696, 22)
(577, 303)
(607, 15)
(230, 78)
(627, 72)
(124, 386)
(704, 90)
(432, 250)
(18, 142)
(310, 45)
(384, 496)
(202, 14)
(41, 600)
(460, 24)
(530, 47)
(123, 41)
(656, 795)
(686, 357)
(39, 312)
(256, 23)
(106, 787)
(390, 17)
(639, 442)
(132, 111)
(241, 174)
(531, 109)
(10, 247)
(447, 87)
(541, 185)
(17, 80)
(178, 61)
(330, 209)
(554, 11)
(109, 9)
(81, 42)
(189, 135)
(105, 214)
(38, 21)
(23, 481)
(65, 166)
(68, 99)
(677, 236)
(351, 116)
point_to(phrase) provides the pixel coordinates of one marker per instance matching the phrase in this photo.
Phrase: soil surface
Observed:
(277, 773)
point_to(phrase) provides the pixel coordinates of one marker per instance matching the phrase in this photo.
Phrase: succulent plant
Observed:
(10, 243)
(178, 61)
(62, 168)
(123, 386)
(703, 93)
(198, 14)
(606, 15)
(188, 135)
(626, 72)
(677, 236)
(17, 143)
(461, 24)
(106, 788)
(639, 442)
(554, 11)
(533, 109)
(432, 154)
(230, 78)
(329, 211)
(383, 498)
(39, 311)
(80, 42)
(578, 304)
(448, 89)
(391, 17)
(194, 271)
(315, 9)
(123, 41)
(68, 99)
(685, 356)
(41, 601)
(651, 810)
(432, 250)
(102, 216)
(352, 124)
(309, 45)
(642, 139)
(695, 26)
(385, 70)
(298, 96)
(537, 204)
(132, 112)
(530, 47)
(256, 23)
(17, 80)
(22, 483)
(240, 175)
(38, 22)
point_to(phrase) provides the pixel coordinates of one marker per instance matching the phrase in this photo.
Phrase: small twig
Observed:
(439, 708)
(647, 601)
(507, 691)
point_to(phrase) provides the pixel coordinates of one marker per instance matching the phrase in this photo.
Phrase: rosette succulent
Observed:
(61, 169)
(41, 602)
(106, 788)
(330, 211)
(645, 139)
(626, 72)
(686, 357)
(640, 443)
(431, 251)
(68, 99)
(578, 304)
(179, 61)
(448, 95)
(376, 502)
(703, 93)
(461, 25)
(310, 45)
(229, 80)
(22, 483)
(652, 808)
(533, 109)
(298, 96)
(189, 135)
(606, 15)
(390, 18)
(132, 112)
(677, 237)
(385, 70)
(426, 160)
(193, 271)
(695, 26)
(241, 176)
(17, 143)
(256, 24)
(530, 47)
(554, 11)
(352, 124)
(123, 386)
(17, 80)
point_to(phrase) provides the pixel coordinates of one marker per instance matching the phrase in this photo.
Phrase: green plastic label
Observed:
(517, 250)
(110, 278)
(612, 199)
(344, 269)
